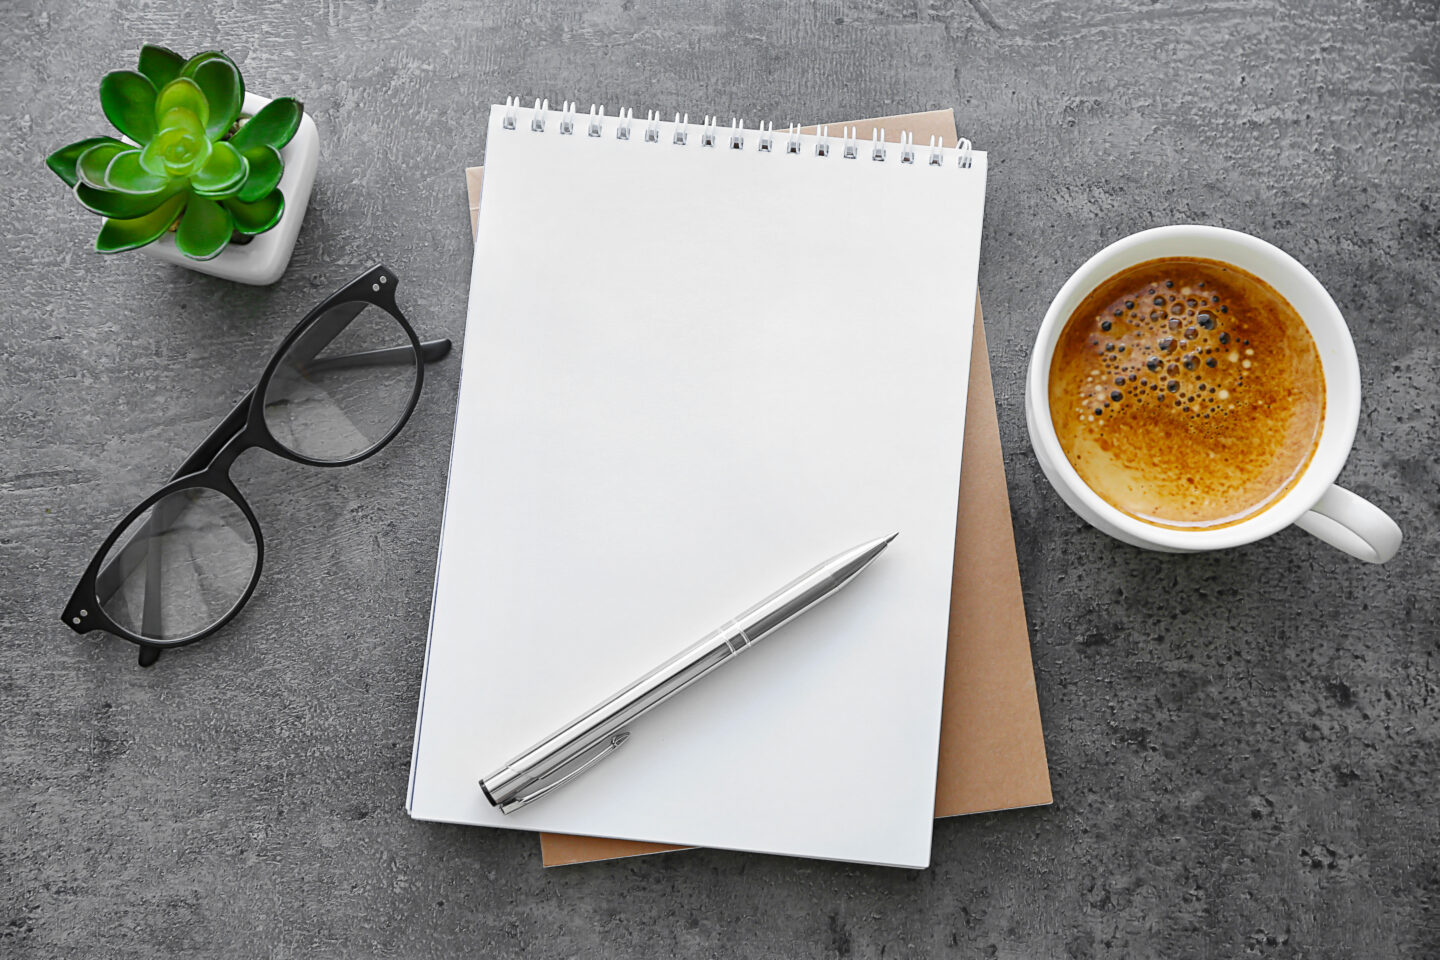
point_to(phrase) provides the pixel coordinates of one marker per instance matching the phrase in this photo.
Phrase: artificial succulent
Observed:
(189, 161)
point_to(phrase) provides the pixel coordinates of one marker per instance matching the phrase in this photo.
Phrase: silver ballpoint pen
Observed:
(595, 734)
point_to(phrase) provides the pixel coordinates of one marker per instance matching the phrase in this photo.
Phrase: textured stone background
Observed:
(1244, 746)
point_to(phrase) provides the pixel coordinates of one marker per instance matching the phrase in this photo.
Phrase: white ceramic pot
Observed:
(1314, 503)
(264, 258)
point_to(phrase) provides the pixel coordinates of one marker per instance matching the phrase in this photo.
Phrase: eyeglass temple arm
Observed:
(377, 358)
(108, 580)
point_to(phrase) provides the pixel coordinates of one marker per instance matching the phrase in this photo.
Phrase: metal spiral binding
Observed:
(738, 138)
(937, 148)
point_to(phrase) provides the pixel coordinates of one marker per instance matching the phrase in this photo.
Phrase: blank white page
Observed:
(690, 374)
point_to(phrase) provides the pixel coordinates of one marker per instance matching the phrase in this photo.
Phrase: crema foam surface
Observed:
(1187, 393)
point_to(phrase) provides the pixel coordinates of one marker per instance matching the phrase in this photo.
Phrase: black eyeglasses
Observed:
(182, 564)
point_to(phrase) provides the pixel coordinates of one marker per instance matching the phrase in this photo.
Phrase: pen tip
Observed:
(892, 536)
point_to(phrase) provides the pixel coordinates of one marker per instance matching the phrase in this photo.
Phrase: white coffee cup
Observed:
(1314, 502)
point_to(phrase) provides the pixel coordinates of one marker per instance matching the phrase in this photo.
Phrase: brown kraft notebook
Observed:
(992, 749)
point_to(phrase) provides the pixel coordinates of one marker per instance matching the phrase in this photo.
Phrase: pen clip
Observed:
(607, 747)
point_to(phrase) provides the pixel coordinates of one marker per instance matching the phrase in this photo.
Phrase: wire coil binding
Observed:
(760, 139)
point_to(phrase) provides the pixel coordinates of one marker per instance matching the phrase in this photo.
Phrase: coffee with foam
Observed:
(1187, 393)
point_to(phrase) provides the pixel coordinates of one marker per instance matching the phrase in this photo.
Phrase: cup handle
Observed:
(1352, 524)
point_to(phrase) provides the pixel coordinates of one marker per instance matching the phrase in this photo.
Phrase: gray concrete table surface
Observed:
(1244, 746)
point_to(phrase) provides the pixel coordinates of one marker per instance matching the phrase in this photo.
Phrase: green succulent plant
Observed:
(191, 163)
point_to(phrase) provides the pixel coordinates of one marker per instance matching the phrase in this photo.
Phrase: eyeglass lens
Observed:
(180, 566)
(343, 385)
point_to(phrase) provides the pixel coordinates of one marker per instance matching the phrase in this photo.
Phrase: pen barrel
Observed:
(583, 741)
(510, 786)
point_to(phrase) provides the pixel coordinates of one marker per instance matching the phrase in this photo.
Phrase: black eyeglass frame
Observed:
(242, 429)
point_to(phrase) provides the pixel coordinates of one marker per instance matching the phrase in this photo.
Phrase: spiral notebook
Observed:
(685, 380)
